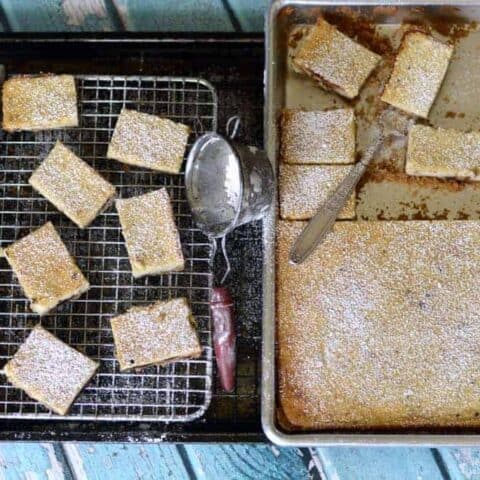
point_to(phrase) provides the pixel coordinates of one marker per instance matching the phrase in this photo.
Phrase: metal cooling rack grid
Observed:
(178, 392)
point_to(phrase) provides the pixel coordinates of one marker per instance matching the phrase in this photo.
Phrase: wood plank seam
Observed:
(232, 16)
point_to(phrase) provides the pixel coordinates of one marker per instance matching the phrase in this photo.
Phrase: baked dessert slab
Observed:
(73, 187)
(46, 271)
(303, 188)
(420, 67)
(151, 236)
(333, 60)
(148, 141)
(49, 370)
(155, 334)
(39, 103)
(440, 152)
(319, 137)
(380, 326)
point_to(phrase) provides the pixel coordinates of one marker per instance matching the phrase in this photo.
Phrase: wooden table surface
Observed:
(34, 461)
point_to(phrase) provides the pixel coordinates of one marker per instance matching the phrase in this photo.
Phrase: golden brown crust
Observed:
(333, 60)
(379, 327)
(39, 102)
(49, 371)
(155, 334)
(74, 187)
(151, 236)
(443, 153)
(303, 188)
(420, 67)
(45, 269)
(148, 141)
(318, 137)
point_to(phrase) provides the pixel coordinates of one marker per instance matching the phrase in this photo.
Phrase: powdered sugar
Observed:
(420, 66)
(318, 137)
(382, 308)
(303, 188)
(49, 370)
(154, 334)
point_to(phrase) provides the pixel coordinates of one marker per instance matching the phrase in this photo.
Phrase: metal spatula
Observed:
(390, 123)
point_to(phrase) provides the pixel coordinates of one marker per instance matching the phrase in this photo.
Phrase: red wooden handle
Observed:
(224, 336)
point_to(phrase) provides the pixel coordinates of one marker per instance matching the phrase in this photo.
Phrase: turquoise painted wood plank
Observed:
(379, 464)
(33, 461)
(174, 15)
(250, 14)
(58, 15)
(461, 463)
(239, 462)
(116, 461)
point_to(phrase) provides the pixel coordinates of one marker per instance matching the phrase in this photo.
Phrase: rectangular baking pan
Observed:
(280, 92)
(234, 64)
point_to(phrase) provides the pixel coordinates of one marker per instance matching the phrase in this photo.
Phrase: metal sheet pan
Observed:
(457, 105)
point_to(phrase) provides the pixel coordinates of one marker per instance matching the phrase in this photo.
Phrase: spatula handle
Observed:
(321, 224)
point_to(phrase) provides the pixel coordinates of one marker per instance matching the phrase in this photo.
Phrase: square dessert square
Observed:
(333, 60)
(303, 188)
(321, 137)
(418, 73)
(71, 185)
(148, 141)
(39, 103)
(151, 236)
(46, 271)
(49, 370)
(365, 326)
(155, 334)
(442, 152)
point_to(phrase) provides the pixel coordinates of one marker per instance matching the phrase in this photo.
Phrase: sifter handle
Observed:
(224, 337)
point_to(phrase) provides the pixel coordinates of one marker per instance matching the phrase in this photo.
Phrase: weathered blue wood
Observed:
(241, 462)
(58, 15)
(20, 461)
(94, 461)
(380, 464)
(174, 15)
(250, 13)
(461, 463)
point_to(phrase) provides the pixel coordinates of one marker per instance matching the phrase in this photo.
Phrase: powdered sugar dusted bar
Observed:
(440, 152)
(74, 187)
(39, 103)
(379, 328)
(148, 141)
(151, 236)
(303, 188)
(321, 137)
(155, 334)
(49, 371)
(333, 60)
(418, 73)
(45, 269)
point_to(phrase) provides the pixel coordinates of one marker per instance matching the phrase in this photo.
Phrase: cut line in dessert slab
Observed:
(178, 392)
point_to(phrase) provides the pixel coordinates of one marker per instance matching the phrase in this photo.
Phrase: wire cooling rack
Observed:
(178, 392)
